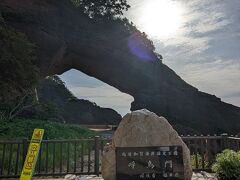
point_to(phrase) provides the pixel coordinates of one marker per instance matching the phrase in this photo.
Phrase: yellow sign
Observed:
(32, 154)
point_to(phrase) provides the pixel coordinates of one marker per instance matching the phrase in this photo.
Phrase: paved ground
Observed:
(196, 176)
(203, 176)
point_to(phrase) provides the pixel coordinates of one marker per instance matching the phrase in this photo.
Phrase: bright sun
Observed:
(161, 18)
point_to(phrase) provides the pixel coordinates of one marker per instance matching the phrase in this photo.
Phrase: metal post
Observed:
(224, 143)
(97, 148)
(208, 152)
(25, 149)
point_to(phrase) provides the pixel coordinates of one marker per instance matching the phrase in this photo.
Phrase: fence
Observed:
(56, 157)
(204, 149)
(82, 156)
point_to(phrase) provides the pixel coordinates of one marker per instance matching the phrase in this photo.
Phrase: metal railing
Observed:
(204, 149)
(83, 156)
(56, 157)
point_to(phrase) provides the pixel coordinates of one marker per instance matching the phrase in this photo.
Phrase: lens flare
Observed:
(138, 47)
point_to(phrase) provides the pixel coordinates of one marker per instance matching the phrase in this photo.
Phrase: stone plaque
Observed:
(161, 163)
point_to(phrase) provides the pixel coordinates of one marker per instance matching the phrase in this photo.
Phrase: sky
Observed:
(198, 39)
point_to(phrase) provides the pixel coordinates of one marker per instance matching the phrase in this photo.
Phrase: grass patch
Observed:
(23, 128)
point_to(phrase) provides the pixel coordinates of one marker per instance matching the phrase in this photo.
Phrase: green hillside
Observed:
(23, 128)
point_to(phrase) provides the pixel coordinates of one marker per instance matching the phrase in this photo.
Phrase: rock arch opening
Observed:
(94, 90)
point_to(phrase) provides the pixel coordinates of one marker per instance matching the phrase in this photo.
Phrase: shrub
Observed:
(227, 165)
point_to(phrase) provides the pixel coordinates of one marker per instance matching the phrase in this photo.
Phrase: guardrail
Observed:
(83, 156)
(204, 149)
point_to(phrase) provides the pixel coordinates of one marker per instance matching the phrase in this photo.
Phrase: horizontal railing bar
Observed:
(201, 137)
(10, 142)
(63, 173)
(52, 140)
(107, 139)
(10, 176)
(234, 138)
(65, 141)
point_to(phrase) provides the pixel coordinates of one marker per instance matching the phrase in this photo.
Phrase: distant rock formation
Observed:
(112, 52)
(73, 110)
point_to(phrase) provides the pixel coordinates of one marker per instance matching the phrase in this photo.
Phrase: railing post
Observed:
(25, 149)
(208, 152)
(224, 141)
(97, 148)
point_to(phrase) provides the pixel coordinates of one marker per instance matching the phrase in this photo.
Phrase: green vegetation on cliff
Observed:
(19, 72)
(104, 8)
(23, 128)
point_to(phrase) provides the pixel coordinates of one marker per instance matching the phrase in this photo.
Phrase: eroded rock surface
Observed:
(65, 38)
(140, 129)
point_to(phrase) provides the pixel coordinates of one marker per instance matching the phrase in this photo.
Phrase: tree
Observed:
(18, 70)
(102, 8)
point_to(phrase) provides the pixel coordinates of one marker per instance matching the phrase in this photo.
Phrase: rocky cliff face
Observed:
(113, 52)
(73, 110)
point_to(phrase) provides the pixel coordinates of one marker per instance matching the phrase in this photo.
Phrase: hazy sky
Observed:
(198, 39)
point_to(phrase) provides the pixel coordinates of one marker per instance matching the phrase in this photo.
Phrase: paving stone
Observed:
(70, 177)
(196, 176)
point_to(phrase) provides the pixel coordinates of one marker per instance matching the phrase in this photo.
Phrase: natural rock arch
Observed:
(112, 52)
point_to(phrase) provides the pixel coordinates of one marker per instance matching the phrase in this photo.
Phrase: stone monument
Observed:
(145, 146)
